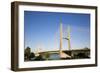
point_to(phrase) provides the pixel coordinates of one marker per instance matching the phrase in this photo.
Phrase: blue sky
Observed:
(42, 30)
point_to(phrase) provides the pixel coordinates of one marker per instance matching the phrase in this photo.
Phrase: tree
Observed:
(39, 58)
(27, 52)
(32, 55)
(81, 55)
(47, 55)
(86, 48)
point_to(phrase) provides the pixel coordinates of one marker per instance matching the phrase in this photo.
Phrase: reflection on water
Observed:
(51, 56)
(54, 56)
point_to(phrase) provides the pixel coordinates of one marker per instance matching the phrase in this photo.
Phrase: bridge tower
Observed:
(61, 53)
(61, 41)
(68, 38)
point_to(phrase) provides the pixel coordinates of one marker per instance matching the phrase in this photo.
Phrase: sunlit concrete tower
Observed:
(61, 41)
(62, 54)
(69, 43)
(68, 38)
